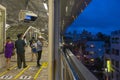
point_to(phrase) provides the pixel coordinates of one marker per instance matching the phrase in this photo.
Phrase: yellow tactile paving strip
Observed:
(44, 65)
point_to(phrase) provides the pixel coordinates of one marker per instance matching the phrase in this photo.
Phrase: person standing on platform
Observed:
(34, 49)
(39, 50)
(33, 39)
(31, 42)
(20, 49)
(9, 47)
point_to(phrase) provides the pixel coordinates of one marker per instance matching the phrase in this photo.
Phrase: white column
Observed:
(51, 41)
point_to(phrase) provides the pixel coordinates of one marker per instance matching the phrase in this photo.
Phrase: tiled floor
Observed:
(31, 72)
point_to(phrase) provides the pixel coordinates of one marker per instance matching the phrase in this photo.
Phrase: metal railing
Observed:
(73, 69)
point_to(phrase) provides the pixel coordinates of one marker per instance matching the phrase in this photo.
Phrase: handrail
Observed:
(80, 69)
(76, 70)
(67, 67)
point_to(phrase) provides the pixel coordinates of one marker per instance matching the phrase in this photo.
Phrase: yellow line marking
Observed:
(7, 70)
(21, 72)
(45, 65)
(33, 64)
(36, 75)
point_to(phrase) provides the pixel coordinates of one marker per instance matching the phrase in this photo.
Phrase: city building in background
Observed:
(113, 69)
(94, 49)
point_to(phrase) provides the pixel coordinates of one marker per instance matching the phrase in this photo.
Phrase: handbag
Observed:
(13, 52)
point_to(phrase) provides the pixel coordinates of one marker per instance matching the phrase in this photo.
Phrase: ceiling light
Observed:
(45, 5)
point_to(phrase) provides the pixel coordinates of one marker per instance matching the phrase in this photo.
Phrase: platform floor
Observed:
(31, 72)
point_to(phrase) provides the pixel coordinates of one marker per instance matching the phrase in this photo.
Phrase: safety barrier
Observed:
(73, 69)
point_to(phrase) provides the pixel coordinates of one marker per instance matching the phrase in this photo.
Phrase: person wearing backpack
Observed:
(39, 50)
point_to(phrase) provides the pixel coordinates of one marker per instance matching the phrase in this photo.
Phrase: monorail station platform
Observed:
(48, 19)
(31, 72)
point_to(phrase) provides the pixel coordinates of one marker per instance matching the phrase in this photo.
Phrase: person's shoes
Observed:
(25, 66)
(38, 65)
(8, 69)
(19, 67)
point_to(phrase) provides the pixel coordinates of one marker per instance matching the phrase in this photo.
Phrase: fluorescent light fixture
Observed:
(45, 5)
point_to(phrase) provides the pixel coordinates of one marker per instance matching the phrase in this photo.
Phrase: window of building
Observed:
(107, 51)
(116, 38)
(117, 64)
(117, 52)
(113, 61)
(113, 50)
(117, 77)
(112, 38)
(112, 75)
(92, 52)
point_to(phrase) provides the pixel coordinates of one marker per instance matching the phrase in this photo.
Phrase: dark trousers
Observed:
(39, 57)
(20, 60)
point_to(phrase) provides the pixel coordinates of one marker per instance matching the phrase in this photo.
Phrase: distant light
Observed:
(45, 5)
(108, 65)
(92, 60)
(105, 69)
(84, 55)
(99, 49)
(70, 43)
(91, 45)
(73, 17)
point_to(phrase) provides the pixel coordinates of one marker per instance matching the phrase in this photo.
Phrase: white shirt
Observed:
(39, 45)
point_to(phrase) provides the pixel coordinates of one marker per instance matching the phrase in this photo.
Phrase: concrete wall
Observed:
(2, 60)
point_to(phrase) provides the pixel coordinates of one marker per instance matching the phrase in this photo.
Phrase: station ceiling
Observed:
(69, 10)
(14, 6)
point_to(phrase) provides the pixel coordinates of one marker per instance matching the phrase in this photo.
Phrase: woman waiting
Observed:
(34, 49)
(9, 47)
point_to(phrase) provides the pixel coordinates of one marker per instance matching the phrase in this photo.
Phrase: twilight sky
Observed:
(99, 16)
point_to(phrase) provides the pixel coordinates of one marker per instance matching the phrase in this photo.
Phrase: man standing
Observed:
(20, 49)
(39, 50)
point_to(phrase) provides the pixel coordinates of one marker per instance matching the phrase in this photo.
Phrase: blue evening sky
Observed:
(99, 16)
